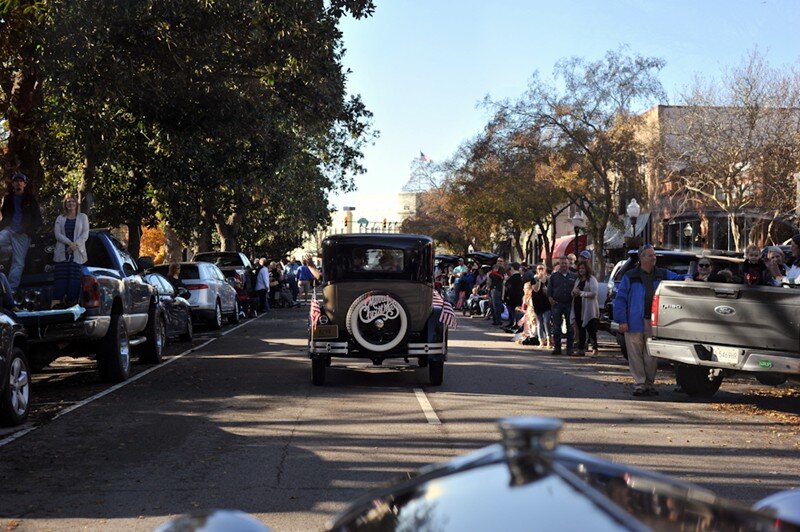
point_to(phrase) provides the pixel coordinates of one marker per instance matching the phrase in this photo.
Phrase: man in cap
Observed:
(21, 218)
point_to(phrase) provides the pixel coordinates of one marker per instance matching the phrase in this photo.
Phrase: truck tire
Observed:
(216, 320)
(318, 371)
(114, 353)
(771, 379)
(697, 381)
(16, 398)
(233, 319)
(436, 372)
(156, 334)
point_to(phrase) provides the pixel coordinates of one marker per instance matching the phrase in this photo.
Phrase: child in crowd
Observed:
(754, 269)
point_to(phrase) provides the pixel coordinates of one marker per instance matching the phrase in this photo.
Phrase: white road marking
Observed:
(427, 409)
(169, 360)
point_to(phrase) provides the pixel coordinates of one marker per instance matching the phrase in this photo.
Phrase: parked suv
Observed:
(233, 264)
(212, 297)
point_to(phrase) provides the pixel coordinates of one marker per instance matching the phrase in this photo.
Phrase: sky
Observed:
(423, 66)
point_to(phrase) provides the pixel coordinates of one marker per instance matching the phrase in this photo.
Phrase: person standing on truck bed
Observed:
(632, 308)
(72, 232)
(21, 217)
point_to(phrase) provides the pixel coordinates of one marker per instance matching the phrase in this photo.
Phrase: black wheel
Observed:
(422, 362)
(216, 320)
(156, 334)
(318, 371)
(16, 399)
(697, 381)
(436, 372)
(114, 352)
(188, 335)
(771, 379)
(233, 319)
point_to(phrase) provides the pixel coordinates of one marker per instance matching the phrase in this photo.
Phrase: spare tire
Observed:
(377, 321)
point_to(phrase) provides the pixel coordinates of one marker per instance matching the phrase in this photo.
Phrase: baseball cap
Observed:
(20, 176)
(586, 254)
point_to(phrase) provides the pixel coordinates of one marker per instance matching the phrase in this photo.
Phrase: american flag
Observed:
(448, 316)
(314, 311)
(424, 158)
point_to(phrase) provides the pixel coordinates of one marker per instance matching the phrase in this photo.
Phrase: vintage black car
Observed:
(378, 303)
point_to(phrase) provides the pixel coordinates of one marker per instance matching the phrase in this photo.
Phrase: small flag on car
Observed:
(448, 316)
(314, 311)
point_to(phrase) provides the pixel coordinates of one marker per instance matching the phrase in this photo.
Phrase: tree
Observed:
(587, 123)
(734, 146)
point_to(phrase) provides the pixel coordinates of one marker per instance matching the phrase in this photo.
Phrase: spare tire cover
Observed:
(377, 321)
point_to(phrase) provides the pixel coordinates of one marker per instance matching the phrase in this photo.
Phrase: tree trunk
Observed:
(134, 224)
(228, 230)
(173, 248)
(24, 127)
(86, 188)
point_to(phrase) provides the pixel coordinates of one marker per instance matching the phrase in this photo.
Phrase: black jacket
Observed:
(31, 215)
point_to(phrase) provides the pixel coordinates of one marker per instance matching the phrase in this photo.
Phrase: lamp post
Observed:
(633, 211)
(687, 232)
(578, 222)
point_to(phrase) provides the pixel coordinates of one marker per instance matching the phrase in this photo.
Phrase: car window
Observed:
(165, 287)
(218, 273)
(97, 255)
(220, 259)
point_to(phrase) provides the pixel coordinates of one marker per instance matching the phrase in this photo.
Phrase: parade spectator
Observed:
(71, 232)
(291, 268)
(586, 308)
(781, 273)
(304, 279)
(174, 276)
(704, 270)
(541, 306)
(481, 279)
(573, 263)
(262, 285)
(496, 280)
(559, 292)
(21, 218)
(632, 308)
(513, 295)
(466, 284)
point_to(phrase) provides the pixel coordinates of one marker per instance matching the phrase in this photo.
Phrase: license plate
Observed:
(326, 331)
(728, 355)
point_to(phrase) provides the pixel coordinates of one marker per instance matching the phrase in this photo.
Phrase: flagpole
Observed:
(310, 320)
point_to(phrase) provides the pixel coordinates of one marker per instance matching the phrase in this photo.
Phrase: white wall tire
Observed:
(377, 321)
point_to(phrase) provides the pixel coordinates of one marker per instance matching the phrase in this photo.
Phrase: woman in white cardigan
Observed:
(72, 232)
(586, 308)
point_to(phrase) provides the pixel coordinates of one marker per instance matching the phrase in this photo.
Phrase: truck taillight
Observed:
(654, 312)
(197, 287)
(91, 291)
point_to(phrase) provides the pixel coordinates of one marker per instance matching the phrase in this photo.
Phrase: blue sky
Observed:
(422, 66)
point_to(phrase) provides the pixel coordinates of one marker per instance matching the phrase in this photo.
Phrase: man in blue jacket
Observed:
(632, 308)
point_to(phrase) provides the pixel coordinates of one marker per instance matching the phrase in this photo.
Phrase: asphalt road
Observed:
(237, 424)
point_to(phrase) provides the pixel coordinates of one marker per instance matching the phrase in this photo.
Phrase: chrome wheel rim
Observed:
(124, 349)
(19, 386)
(159, 336)
(219, 315)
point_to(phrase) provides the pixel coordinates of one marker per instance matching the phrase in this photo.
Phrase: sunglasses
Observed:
(703, 265)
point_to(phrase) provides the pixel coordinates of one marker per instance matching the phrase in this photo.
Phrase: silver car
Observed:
(212, 297)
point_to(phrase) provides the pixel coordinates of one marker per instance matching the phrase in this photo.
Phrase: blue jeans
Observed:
(8, 298)
(496, 296)
(543, 327)
(561, 311)
(19, 244)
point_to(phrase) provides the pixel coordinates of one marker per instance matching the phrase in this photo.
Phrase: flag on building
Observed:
(314, 311)
(424, 158)
(448, 316)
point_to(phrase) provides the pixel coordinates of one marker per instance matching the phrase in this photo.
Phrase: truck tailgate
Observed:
(762, 317)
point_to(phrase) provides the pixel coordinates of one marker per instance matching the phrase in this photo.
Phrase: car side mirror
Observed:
(183, 292)
(145, 263)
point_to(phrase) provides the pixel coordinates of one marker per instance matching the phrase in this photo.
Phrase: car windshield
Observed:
(220, 259)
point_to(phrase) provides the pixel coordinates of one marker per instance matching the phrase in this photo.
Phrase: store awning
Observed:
(614, 237)
(566, 245)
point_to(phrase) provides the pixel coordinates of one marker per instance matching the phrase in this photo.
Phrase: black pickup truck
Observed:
(117, 309)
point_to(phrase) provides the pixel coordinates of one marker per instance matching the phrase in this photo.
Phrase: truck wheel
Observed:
(697, 381)
(771, 379)
(233, 319)
(216, 322)
(114, 353)
(436, 372)
(156, 334)
(188, 335)
(318, 371)
(16, 399)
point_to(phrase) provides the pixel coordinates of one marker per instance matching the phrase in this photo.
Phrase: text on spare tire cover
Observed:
(375, 307)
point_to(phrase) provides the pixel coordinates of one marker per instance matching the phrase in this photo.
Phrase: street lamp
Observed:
(687, 232)
(633, 210)
(578, 222)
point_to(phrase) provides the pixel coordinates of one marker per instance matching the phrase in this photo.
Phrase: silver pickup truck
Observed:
(708, 330)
